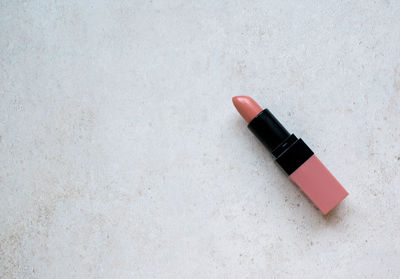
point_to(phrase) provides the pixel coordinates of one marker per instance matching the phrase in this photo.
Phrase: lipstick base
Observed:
(319, 185)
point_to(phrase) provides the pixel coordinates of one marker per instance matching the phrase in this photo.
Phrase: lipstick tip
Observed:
(247, 107)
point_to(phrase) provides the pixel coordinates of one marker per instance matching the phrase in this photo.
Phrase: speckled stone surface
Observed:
(121, 155)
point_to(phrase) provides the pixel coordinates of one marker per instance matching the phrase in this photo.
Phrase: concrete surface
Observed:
(123, 157)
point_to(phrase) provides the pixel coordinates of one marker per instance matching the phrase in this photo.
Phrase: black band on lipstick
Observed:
(268, 129)
(289, 151)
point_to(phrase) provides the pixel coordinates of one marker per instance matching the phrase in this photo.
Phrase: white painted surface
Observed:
(123, 157)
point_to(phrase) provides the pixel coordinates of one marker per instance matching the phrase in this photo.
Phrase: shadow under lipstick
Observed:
(293, 156)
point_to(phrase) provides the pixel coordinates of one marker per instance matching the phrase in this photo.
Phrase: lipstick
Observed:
(293, 155)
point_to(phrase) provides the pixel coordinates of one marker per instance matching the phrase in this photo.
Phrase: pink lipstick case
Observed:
(299, 162)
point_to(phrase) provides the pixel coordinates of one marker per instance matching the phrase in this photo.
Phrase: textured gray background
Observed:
(123, 157)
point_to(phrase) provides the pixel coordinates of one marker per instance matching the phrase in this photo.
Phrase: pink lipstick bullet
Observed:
(293, 155)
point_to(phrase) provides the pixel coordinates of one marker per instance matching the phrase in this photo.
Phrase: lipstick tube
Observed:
(293, 155)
